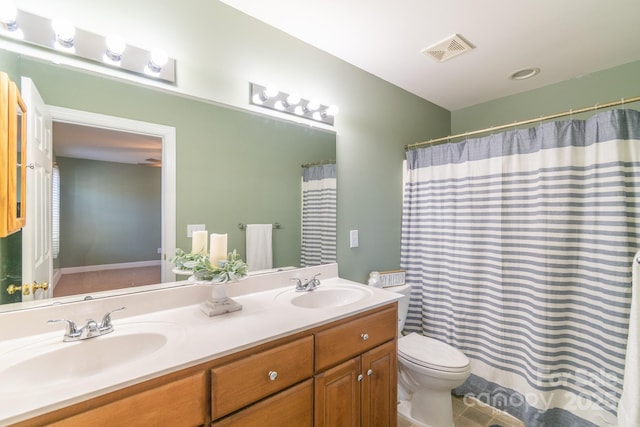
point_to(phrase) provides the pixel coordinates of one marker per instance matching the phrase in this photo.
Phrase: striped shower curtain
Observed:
(318, 215)
(518, 247)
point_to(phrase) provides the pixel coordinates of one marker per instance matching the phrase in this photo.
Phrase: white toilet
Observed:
(428, 370)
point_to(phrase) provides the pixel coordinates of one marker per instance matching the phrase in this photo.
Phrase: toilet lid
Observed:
(431, 353)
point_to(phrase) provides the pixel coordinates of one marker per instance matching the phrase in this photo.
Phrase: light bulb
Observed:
(8, 15)
(159, 57)
(115, 47)
(299, 110)
(271, 91)
(293, 99)
(257, 99)
(157, 60)
(65, 31)
(313, 105)
(279, 105)
(333, 110)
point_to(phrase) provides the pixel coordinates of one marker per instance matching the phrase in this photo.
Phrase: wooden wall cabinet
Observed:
(13, 132)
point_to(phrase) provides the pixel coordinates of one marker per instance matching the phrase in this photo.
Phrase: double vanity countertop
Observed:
(161, 331)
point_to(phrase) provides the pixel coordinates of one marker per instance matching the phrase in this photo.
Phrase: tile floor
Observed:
(475, 414)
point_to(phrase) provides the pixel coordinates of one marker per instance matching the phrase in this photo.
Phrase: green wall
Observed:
(10, 266)
(219, 50)
(110, 212)
(589, 90)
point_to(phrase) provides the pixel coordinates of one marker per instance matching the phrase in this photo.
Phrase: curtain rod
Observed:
(524, 122)
(323, 162)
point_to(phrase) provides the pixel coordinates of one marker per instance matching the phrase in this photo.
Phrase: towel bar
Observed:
(276, 226)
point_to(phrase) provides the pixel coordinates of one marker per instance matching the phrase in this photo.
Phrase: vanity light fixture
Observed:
(270, 97)
(60, 35)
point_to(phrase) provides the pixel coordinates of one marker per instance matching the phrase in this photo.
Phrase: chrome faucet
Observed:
(90, 330)
(307, 285)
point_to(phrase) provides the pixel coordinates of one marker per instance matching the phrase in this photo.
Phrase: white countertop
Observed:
(193, 337)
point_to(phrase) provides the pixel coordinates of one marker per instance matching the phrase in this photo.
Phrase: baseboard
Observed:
(88, 268)
(57, 275)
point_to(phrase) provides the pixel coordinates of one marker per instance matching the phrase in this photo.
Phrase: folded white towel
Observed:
(259, 246)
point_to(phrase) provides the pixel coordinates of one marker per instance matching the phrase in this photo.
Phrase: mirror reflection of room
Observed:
(101, 177)
(110, 227)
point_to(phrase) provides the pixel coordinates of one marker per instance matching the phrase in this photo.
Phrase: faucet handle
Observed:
(72, 329)
(299, 285)
(106, 320)
(315, 282)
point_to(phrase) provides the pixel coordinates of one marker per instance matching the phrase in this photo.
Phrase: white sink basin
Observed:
(326, 296)
(52, 362)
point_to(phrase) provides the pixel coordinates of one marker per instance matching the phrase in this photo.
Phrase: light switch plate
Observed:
(353, 238)
(194, 227)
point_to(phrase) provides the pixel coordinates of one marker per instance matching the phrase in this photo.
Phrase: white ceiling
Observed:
(566, 39)
(84, 142)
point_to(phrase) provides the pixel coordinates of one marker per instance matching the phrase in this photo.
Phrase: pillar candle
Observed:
(217, 248)
(199, 242)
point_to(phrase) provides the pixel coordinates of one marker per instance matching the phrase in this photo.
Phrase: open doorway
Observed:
(116, 202)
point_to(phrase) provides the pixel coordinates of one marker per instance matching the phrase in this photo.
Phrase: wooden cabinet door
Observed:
(380, 386)
(337, 396)
(291, 407)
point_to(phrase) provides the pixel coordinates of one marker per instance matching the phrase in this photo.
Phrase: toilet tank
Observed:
(403, 304)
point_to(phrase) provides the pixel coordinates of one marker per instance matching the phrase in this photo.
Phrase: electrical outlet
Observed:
(353, 238)
(194, 227)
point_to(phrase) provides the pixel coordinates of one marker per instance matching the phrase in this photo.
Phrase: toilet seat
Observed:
(432, 354)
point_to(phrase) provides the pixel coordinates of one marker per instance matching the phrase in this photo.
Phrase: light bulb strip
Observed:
(258, 96)
(89, 46)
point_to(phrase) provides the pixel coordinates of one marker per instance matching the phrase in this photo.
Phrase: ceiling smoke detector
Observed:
(448, 48)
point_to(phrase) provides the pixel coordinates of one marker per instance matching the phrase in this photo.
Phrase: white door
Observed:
(37, 262)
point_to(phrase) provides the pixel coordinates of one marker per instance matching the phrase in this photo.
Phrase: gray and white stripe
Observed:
(519, 250)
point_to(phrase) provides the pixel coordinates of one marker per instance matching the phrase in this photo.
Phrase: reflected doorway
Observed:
(117, 202)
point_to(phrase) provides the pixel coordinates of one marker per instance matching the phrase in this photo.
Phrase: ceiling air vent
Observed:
(448, 48)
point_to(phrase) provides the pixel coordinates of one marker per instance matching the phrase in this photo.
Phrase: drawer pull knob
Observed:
(360, 377)
(273, 375)
(364, 336)
(369, 372)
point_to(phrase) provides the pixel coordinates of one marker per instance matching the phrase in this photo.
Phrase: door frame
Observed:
(168, 187)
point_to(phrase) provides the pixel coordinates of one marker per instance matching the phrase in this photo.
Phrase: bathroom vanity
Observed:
(326, 357)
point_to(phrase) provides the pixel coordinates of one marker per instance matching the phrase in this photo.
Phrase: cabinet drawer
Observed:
(292, 407)
(354, 337)
(179, 403)
(240, 383)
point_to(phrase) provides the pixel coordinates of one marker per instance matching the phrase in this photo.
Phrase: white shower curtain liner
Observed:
(518, 248)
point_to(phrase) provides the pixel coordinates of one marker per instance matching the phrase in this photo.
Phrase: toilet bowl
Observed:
(428, 370)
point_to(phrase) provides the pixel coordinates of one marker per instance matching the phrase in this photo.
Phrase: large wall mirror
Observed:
(232, 167)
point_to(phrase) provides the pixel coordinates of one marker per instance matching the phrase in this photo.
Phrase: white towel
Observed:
(259, 246)
(628, 407)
